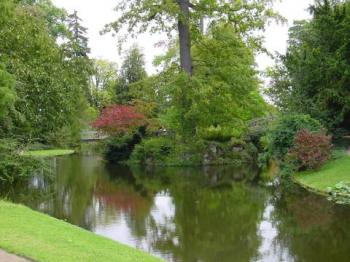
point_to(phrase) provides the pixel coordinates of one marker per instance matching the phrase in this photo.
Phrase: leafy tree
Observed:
(223, 91)
(49, 96)
(313, 76)
(7, 93)
(119, 119)
(132, 71)
(184, 15)
(105, 72)
(103, 82)
(53, 16)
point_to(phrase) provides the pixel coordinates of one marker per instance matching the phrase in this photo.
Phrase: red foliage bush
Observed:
(311, 149)
(118, 119)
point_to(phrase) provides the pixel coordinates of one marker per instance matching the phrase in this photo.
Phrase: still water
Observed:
(190, 214)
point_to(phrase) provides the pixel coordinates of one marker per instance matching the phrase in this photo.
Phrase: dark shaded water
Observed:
(191, 214)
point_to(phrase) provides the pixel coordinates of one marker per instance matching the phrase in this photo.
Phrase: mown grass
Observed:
(42, 238)
(49, 153)
(332, 173)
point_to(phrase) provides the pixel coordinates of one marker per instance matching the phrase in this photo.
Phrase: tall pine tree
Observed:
(79, 41)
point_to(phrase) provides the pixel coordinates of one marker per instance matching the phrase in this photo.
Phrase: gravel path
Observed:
(6, 257)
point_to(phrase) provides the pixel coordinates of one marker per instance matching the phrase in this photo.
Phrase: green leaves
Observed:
(340, 193)
(7, 93)
(49, 85)
(313, 76)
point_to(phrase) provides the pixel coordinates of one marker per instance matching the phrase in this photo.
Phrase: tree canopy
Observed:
(313, 76)
(186, 17)
(38, 71)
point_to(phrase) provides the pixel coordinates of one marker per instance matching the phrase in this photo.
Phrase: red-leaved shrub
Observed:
(118, 119)
(311, 149)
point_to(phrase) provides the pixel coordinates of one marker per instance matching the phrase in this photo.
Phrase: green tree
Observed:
(53, 16)
(314, 74)
(49, 96)
(77, 50)
(79, 41)
(223, 92)
(7, 94)
(132, 71)
(184, 15)
(103, 82)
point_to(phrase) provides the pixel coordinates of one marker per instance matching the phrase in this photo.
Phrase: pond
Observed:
(190, 214)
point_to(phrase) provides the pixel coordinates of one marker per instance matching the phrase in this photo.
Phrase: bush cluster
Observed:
(153, 150)
(119, 148)
(283, 131)
(296, 142)
(311, 149)
(13, 166)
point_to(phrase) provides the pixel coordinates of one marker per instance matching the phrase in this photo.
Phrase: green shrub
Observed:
(119, 148)
(257, 130)
(282, 134)
(13, 166)
(220, 134)
(153, 150)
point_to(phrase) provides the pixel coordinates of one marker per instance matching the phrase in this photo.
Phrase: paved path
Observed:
(6, 257)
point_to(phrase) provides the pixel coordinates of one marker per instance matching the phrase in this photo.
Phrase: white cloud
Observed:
(97, 13)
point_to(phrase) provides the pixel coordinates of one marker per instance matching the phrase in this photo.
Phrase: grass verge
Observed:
(329, 175)
(49, 153)
(43, 238)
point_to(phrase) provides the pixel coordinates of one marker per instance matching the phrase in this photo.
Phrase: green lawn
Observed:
(43, 238)
(49, 153)
(328, 176)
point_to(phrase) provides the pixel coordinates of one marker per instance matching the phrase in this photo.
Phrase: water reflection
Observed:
(190, 214)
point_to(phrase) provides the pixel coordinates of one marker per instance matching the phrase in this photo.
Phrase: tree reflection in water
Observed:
(190, 214)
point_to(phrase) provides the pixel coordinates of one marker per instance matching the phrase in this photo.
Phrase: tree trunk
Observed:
(185, 37)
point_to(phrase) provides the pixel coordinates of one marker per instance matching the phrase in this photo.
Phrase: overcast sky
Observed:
(97, 13)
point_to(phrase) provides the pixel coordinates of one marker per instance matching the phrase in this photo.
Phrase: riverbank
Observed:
(49, 152)
(43, 238)
(329, 175)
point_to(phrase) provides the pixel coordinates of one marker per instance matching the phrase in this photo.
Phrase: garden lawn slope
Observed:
(49, 153)
(42, 238)
(329, 175)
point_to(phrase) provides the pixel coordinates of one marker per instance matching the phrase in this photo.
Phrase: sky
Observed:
(97, 13)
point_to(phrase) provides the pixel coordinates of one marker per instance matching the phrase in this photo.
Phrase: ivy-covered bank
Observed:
(42, 238)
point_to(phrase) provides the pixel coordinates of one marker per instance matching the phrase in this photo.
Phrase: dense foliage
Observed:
(49, 90)
(119, 148)
(313, 77)
(188, 19)
(282, 133)
(311, 150)
(13, 166)
(43, 82)
(208, 86)
(119, 119)
(132, 71)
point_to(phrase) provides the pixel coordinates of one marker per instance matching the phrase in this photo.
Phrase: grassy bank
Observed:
(329, 175)
(49, 152)
(43, 238)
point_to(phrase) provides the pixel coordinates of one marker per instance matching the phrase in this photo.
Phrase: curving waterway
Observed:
(190, 214)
